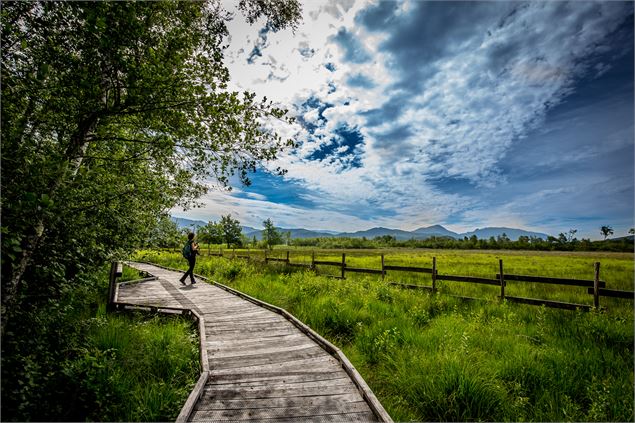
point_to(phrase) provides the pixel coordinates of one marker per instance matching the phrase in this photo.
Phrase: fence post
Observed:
(596, 285)
(265, 256)
(287, 256)
(313, 260)
(502, 278)
(383, 271)
(220, 251)
(434, 274)
(233, 253)
(343, 264)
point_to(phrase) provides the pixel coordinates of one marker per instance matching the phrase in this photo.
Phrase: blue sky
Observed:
(465, 114)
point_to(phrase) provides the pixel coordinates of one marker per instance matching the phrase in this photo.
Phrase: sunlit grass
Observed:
(438, 358)
(135, 368)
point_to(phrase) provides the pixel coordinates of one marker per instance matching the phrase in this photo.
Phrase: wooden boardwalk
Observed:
(259, 363)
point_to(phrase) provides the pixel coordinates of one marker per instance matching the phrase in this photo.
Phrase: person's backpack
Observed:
(187, 250)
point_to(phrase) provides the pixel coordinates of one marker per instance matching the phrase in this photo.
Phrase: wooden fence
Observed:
(595, 287)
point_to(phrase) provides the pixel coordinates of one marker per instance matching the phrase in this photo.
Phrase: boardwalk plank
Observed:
(273, 377)
(331, 400)
(274, 388)
(284, 412)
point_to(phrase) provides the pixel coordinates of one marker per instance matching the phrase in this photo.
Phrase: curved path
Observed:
(259, 362)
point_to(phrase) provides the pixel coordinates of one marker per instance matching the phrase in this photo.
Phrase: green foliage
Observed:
(606, 231)
(231, 230)
(212, 233)
(437, 358)
(270, 234)
(165, 234)
(67, 360)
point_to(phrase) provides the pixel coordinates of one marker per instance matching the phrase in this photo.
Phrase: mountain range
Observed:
(421, 233)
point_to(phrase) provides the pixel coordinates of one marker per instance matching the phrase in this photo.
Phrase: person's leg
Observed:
(191, 269)
(189, 272)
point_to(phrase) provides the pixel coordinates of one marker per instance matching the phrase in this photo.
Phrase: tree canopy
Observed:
(270, 234)
(113, 113)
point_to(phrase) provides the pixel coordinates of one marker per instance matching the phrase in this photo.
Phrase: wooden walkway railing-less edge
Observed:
(196, 393)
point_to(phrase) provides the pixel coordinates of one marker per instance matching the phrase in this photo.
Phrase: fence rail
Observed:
(555, 281)
(596, 287)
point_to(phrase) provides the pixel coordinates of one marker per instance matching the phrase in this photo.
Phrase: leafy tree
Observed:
(270, 235)
(606, 231)
(211, 233)
(631, 231)
(165, 234)
(111, 113)
(571, 234)
(231, 230)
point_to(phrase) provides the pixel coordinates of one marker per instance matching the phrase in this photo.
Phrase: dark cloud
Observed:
(377, 17)
(431, 30)
(354, 50)
(394, 142)
(388, 112)
(359, 80)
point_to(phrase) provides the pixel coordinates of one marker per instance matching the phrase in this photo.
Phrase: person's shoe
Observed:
(193, 282)
(182, 281)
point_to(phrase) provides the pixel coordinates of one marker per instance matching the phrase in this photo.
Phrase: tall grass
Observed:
(437, 358)
(135, 368)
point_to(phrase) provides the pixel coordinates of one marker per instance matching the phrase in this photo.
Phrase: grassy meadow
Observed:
(434, 357)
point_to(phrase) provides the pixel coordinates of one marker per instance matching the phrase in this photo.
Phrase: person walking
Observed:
(190, 250)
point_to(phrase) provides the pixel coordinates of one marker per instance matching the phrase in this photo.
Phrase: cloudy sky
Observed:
(464, 114)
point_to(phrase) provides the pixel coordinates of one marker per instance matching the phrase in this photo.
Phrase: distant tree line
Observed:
(564, 242)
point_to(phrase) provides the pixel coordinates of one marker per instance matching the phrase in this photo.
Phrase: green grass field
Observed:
(433, 357)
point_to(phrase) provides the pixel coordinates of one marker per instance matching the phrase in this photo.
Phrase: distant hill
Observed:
(421, 233)
(375, 232)
(436, 230)
(295, 233)
(187, 223)
(440, 231)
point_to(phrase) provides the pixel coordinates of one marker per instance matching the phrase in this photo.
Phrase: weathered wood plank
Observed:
(615, 293)
(362, 270)
(328, 263)
(232, 379)
(556, 281)
(273, 389)
(304, 365)
(266, 359)
(330, 400)
(348, 417)
(251, 352)
(287, 412)
(254, 341)
(472, 279)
